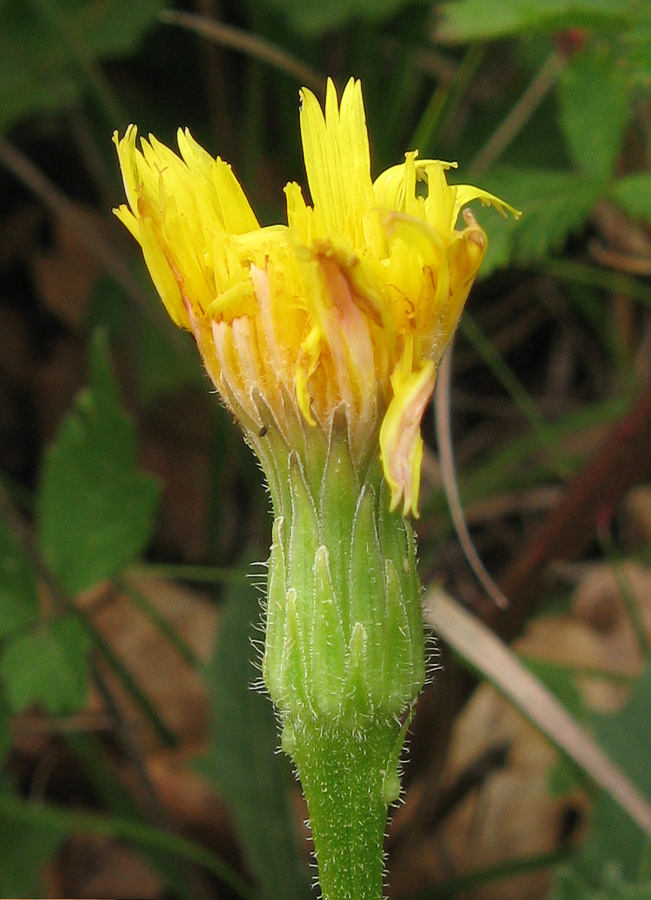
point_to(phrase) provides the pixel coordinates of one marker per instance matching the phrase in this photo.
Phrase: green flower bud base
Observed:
(344, 647)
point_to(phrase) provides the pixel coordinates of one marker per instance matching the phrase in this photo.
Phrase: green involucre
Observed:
(344, 639)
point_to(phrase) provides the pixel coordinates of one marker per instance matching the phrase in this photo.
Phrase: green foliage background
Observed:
(585, 142)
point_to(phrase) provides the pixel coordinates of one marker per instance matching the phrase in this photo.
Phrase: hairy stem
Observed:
(349, 777)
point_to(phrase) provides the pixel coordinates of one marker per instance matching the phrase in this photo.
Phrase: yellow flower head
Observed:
(351, 304)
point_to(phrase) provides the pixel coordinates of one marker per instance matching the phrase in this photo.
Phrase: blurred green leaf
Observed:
(6, 733)
(613, 852)
(243, 759)
(95, 509)
(593, 120)
(36, 70)
(48, 666)
(561, 682)
(626, 737)
(571, 887)
(24, 850)
(633, 194)
(18, 594)
(110, 28)
(636, 45)
(554, 204)
(315, 17)
(472, 20)
(29, 83)
(158, 367)
(565, 775)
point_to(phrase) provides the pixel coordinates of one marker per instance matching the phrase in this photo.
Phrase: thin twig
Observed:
(216, 84)
(83, 721)
(92, 238)
(69, 213)
(620, 232)
(250, 44)
(623, 459)
(448, 472)
(622, 262)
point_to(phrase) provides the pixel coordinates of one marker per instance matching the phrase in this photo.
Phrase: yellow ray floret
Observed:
(352, 303)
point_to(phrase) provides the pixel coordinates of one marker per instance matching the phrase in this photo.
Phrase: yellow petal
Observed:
(401, 446)
(337, 160)
(395, 188)
(466, 193)
(166, 280)
(127, 156)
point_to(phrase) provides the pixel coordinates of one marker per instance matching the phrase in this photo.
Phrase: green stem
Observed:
(348, 776)
(445, 101)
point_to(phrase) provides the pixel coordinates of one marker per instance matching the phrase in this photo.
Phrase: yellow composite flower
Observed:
(352, 303)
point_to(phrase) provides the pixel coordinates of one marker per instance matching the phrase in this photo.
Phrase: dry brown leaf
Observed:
(636, 516)
(174, 687)
(65, 275)
(91, 866)
(512, 815)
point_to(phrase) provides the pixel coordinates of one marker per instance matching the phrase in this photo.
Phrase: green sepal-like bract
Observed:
(344, 638)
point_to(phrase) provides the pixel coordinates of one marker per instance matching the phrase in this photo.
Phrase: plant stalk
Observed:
(349, 779)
